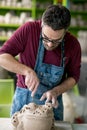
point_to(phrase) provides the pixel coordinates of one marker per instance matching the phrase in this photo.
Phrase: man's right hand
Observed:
(8, 62)
(32, 81)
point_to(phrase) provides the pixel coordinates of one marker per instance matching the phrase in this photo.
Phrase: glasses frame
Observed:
(55, 42)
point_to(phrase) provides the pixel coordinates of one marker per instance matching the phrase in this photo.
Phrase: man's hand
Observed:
(32, 82)
(50, 96)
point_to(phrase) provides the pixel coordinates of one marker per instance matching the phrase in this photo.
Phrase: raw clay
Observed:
(34, 117)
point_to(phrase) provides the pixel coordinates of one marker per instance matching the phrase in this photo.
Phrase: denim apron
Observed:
(50, 76)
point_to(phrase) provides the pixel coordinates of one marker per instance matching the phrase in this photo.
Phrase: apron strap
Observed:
(62, 54)
(41, 49)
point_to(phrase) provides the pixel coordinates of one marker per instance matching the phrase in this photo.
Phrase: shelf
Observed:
(78, 12)
(79, 1)
(3, 38)
(15, 8)
(3, 25)
(40, 10)
(77, 28)
(74, 30)
(50, 1)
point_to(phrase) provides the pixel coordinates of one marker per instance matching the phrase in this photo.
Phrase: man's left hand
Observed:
(50, 96)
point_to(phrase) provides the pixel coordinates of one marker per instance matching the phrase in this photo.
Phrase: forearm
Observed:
(9, 63)
(65, 86)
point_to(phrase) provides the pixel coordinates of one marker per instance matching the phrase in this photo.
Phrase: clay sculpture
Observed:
(34, 117)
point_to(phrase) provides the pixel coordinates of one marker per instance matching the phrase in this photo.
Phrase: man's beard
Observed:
(49, 48)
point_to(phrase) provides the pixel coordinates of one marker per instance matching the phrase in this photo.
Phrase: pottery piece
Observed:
(34, 117)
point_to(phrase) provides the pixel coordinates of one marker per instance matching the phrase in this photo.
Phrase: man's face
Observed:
(51, 39)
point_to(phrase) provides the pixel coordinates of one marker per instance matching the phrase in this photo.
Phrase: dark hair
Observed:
(57, 17)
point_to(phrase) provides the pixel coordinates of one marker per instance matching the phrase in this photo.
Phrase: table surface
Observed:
(5, 124)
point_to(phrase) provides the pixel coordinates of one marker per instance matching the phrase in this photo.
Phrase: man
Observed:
(47, 53)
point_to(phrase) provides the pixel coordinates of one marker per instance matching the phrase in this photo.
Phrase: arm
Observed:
(8, 62)
(65, 86)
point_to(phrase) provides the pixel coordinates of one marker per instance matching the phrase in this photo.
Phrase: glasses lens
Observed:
(55, 42)
(52, 41)
(45, 39)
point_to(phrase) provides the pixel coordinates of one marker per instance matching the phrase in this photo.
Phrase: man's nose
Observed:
(50, 44)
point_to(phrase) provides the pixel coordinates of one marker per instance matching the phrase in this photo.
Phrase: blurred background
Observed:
(14, 13)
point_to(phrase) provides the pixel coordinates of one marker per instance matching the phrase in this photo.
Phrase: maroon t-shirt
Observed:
(25, 42)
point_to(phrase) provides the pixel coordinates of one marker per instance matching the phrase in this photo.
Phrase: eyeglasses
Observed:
(56, 42)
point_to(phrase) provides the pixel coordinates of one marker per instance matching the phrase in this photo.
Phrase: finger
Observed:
(34, 90)
(43, 97)
(31, 87)
(54, 103)
(48, 99)
(29, 83)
